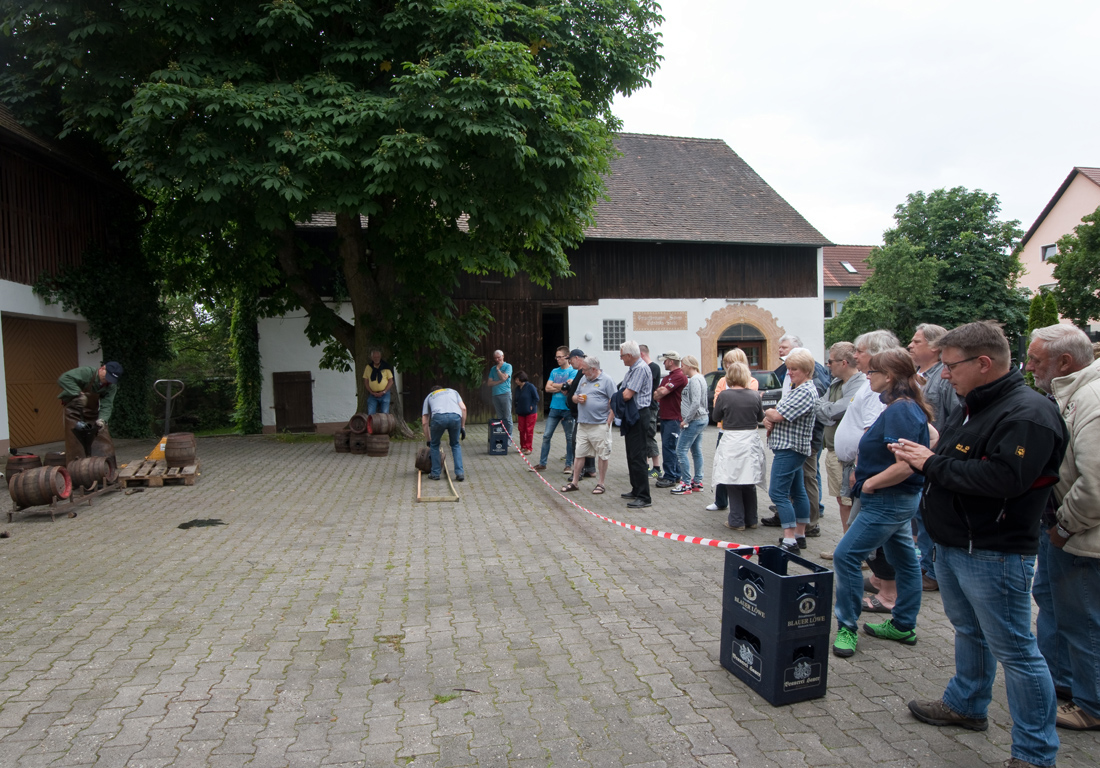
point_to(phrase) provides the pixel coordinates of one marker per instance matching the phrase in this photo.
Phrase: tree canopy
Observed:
(948, 261)
(445, 136)
(1077, 270)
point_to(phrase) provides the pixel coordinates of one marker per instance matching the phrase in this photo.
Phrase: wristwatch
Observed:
(1063, 532)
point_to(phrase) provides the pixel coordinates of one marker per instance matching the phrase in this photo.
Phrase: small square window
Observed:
(830, 309)
(614, 334)
(1048, 251)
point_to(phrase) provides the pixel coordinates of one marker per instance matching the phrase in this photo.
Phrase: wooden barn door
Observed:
(293, 401)
(36, 352)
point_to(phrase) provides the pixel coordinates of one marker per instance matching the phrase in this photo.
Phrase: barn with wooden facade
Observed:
(51, 210)
(692, 252)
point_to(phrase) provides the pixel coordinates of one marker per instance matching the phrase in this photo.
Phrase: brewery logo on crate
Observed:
(748, 658)
(803, 673)
(748, 601)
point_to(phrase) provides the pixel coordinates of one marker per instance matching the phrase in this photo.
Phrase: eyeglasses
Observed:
(951, 366)
(870, 372)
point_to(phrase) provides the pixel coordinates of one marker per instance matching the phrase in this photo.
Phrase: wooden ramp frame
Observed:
(450, 484)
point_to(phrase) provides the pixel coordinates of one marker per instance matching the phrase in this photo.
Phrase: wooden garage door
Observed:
(293, 401)
(36, 352)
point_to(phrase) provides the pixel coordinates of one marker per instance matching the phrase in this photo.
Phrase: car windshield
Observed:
(767, 380)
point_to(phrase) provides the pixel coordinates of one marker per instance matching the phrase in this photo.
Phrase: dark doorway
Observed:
(748, 339)
(293, 394)
(553, 336)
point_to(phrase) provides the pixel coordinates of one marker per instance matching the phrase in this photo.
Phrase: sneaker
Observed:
(538, 467)
(639, 504)
(734, 527)
(715, 508)
(771, 522)
(813, 531)
(460, 478)
(845, 643)
(1015, 762)
(655, 473)
(696, 486)
(887, 631)
(1074, 718)
(938, 713)
(792, 548)
(801, 541)
(773, 510)
(663, 483)
(567, 471)
(683, 489)
(825, 555)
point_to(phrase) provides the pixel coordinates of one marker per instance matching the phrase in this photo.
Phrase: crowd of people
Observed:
(952, 476)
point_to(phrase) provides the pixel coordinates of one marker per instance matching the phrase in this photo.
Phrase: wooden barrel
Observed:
(342, 440)
(33, 487)
(378, 445)
(359, 423)
(87, 472)
(17, 464)
(357, 444)
(424, 459)
(381, 424)
(180, 449)
(55, 459)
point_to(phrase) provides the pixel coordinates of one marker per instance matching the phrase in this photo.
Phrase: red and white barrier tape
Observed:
(637, 528)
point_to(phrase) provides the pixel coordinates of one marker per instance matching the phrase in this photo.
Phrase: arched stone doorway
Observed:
(757, 327)
(745, 337)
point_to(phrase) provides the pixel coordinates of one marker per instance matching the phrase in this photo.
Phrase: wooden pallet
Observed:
(144, 473)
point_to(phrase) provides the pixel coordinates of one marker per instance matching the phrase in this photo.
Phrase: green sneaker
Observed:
(887, 631)
(845, 643)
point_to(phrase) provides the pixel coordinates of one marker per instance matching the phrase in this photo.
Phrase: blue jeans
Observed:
(378, 404)
(565, 418)
(502, 404)
(670, 433)
(884, 521)
(786, 488)
(1067, 591)
(451, 423)
(691, 438)
(987, 597)
(924, 544)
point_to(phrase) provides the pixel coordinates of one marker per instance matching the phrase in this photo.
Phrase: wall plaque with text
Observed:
(660, 321)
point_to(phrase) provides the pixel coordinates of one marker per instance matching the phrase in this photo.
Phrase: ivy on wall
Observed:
(246, 354)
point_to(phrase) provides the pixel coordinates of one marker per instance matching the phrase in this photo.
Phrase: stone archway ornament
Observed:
(732, 314)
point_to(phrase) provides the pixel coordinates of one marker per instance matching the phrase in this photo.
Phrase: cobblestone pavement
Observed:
(334, 621)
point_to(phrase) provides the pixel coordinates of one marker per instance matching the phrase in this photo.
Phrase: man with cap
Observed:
(88, 396)
(577, 361)
(668, 394)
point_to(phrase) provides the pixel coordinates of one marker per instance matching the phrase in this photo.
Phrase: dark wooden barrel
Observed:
(381, 424)
(179, 449)
(41, 485)
(18, 464)
(54, 459)
(87, 472)
(378, 445)
(359, 423)
(424, 459)
(357, 444)
(342, 440)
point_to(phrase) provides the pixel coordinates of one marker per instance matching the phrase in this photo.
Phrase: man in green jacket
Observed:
(88, 395)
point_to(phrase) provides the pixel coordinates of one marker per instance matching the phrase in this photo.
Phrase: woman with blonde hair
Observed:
(694, 417)
(739, 457)
(735, 355)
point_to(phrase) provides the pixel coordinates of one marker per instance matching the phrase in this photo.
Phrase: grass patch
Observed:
(393, 641)
(218, 432)
(333, 617)
(443, 698)
(294, 438)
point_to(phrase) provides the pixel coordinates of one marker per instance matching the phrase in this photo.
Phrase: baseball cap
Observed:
(114, 370)
(671, 355)
(576, 353)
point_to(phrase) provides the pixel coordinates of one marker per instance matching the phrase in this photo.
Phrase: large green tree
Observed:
(1077, 270)
(949, 260)
(445, 136)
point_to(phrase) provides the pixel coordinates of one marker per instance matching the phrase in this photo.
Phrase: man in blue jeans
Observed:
(558, 380)
(986, 487)
(444, 411)
(499, 379)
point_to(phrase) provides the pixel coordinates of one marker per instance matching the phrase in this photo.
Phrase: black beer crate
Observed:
(775, 601)
(783, 671)
(498, 439)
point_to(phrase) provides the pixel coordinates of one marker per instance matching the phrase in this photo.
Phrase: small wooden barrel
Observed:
(342, 440)
(17, 464)
(33, 487)
(359, 423)
(381, 424)
(424, 459)
(378, 445)
(55, 459)
(87, 472)
(180, 449)
(357, 444)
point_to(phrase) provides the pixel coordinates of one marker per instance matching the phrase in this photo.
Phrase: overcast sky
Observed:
(844, 107)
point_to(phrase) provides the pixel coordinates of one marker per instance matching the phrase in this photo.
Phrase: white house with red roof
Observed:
(1079, 195)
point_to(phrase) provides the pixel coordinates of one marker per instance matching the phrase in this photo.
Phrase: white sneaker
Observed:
(713, 508)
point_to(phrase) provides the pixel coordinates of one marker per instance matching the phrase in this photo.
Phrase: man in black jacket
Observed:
(986, 487)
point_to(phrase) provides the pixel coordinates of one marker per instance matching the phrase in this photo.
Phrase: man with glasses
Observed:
(559, 410)
(986, 487)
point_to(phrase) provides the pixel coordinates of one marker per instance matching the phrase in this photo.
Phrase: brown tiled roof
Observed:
(665, 188)
(836, 276)
(1092, 174)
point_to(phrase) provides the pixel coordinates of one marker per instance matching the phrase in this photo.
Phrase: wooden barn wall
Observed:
(517, 331)
(625, 270)
(47, 219)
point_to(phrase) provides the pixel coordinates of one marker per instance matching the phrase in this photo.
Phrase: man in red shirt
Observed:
(668, 395)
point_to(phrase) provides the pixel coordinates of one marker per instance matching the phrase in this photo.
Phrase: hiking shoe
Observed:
(938, 713)
(813, 531)
(887, 631)
(801, 541)
(794, 549)
(771, 522)
(1015, 762)
(655, 473)
(845, 643)
(664, 483)
(1074, 718)
(683, 489)
(734, 527)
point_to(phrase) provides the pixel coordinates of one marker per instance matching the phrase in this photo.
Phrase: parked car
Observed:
(771, 389)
